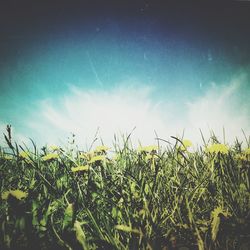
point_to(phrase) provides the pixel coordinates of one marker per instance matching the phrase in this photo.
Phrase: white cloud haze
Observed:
(120, 110)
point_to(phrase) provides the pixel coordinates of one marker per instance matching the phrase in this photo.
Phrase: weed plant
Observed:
(152, 197)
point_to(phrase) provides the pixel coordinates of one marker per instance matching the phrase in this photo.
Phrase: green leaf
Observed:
(200, 241)
(127, 229)
(114, 212)
(132, 187)
(215, 217)
(146, 188)
(80, 235)
(68, 216)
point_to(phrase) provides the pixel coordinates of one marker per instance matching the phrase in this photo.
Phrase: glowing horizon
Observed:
(119, 111)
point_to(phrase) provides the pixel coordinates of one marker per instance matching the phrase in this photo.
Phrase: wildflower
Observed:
(217, 148)
(148, 149)
(18, 194)
(97, 158)
(50, 157)
(101, 149)
(24, 155)
(80, 168)
(87, 155)
(244, 156)
(241, 157)
(8, 157)
(54, 148)
(186, 144)
(247, 151)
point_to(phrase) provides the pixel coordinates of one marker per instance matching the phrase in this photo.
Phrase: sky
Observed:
(96, 69)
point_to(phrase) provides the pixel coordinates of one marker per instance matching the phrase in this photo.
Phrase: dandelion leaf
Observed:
(68, 216)
(127, 229)
(215, 221)
(80, 235)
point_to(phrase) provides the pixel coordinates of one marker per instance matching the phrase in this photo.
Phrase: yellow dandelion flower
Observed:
(54, 148)
(50, 157)
(100, 149)
(186, 144)
(18, 194)
(24, 155)
(97, 158)
(8, 157)
(80, 168)
(241, 157)
(247, 151)
(217, 148)
(87, 155)
(244, 156)
(148, 149)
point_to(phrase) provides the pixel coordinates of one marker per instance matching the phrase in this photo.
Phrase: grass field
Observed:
(163, 196)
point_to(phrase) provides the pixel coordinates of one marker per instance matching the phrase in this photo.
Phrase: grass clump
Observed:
(145, 198)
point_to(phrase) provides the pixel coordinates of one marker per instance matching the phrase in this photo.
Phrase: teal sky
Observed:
(174, 67)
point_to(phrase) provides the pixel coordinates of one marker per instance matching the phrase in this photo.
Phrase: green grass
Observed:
(161, 197)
